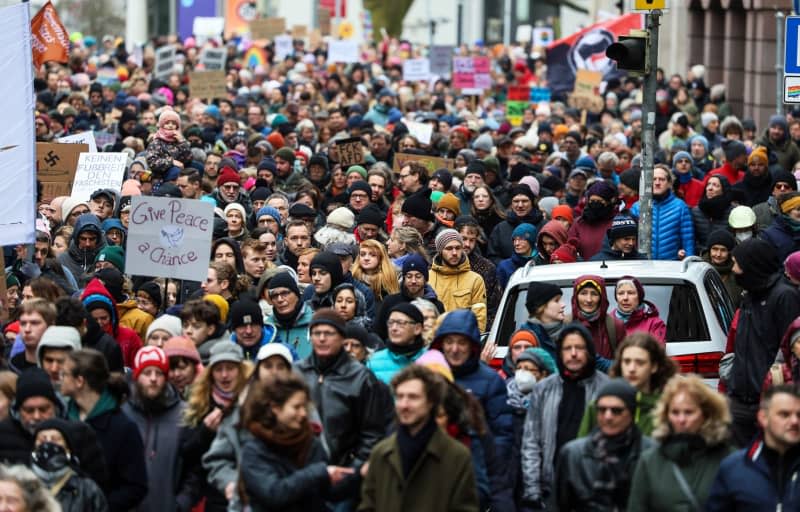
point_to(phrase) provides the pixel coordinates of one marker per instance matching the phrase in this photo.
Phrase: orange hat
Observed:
(221, 303)
(276, 140)
(758, 153)
(562, 210)
(450, 202)
(523, 335)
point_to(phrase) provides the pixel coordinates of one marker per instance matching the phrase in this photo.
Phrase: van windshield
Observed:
(676, 299)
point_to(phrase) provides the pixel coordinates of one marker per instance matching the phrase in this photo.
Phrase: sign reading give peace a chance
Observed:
(169, 237)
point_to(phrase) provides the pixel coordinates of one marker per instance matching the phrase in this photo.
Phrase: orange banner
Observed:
(49, 38)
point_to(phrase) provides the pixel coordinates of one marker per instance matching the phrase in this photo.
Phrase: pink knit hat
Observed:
(181, 346)
(435, 360)
(131, 188)
(792, 265)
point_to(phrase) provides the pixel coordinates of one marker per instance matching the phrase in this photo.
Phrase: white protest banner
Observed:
(17, 150)
(343, 51)
(420, 131)
(416, 70)
(283, 46)
(96, 171)
(524, 33)
(208, 27)
(165, 61)
(81, 138)
(169, 237)
(213, 59)
(441, 60)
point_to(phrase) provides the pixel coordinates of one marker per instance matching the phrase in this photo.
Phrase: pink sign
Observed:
(471, 73)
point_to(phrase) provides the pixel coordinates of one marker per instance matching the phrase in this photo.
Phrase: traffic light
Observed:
(630, 52)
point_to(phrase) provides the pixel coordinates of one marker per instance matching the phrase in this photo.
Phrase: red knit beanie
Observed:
(228, 175)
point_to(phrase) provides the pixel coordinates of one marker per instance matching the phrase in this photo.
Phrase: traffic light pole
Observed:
(652, 21)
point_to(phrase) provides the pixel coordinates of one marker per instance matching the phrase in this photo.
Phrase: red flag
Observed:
(49, 38)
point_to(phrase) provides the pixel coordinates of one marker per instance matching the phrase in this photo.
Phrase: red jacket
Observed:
(95, 296)
(732, 175)
(691, 192)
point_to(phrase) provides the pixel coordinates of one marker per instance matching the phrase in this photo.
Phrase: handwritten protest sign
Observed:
(96, 171)
(350, 152)
(283, 46)
(416, 69)
(267, 28)
(431, 163)
(472, 73)
(583, 95)
(169, 237)
(213, 59)
(81, 138)
(420, 131)
(207, 84)
(205, 28)
(55, 167)
(343, 51)
(165, 62)
(299, 31)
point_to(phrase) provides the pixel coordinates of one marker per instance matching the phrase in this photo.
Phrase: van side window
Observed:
(686, 321)
(720, 301)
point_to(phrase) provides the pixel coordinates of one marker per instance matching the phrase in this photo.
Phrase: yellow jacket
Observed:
(134, 318)
(459, 288)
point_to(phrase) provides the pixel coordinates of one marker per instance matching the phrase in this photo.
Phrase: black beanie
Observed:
(409, 310)
(721, 237)
(523, 190)
(245, 312)
(370, 214)
(260, 194)
(328, 316)
(782, 176)
(152, 290)
(284, 280)
(419, 205)
(330, 263)
(113, 281)
(362, 186)
(519, 171)
(630, 178)
(540, 294)
(621, 389)
(476, 167)
(444, 177)
(357, 332)
(34, 382)
(757, 258)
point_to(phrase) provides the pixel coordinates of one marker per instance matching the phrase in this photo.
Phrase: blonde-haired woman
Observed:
(374, 267)
(403, 242)
(214, 396)
(691, 424)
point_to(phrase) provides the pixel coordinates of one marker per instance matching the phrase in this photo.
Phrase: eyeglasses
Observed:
(683, 161)
(782, 186)
(230, 186)
(324, 334)
(279, 294)
(359, 196)
(404, 176)
(615, 411)
(400, 323)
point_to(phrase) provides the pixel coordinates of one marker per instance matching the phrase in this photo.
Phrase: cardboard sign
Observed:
(283, 46)
(583, 96)
(267, 28)
(207, 84)
(324, 18)
(299, 32)
(96, 171)
(431, 163)
(165, 62)
(81, 138)
(55, 167)
(350, 151)
(593, 104)
(169, 237)
(213, 59)
(416, 69)
(441, 60)
(343, 51)
(420, 131)
(315, 39)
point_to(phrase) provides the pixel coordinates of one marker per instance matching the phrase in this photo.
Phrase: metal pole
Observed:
(460, 22)
(646, 182)
(430, 22)
(779, 26)
(507, 23)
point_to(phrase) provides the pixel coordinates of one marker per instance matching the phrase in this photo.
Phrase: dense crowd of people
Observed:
(331, 359)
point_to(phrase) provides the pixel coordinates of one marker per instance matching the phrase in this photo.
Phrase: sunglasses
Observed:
(615, 411)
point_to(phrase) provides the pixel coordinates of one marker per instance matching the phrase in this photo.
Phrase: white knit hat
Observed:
(342, 217)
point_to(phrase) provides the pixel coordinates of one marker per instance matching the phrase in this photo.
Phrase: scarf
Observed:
(412, 446)
(617, 456)
(570, 412)
(553, 329)
(406, 350)
(626, 316)
(589, 317)
(793, 225)
(715, 207)
(166, 135)
(223, 398)
(684, 178)
(292, 444)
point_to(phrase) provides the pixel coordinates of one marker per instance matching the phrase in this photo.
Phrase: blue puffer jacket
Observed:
(509, 265)
(673, 229)
(746, 482)
(781, 236)
(477, 378)
(385, 364)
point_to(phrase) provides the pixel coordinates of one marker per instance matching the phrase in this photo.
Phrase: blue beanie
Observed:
(526, 231)
(416, 262)
(680, 155)
(586, 163)
(703, 140)
(271, 211)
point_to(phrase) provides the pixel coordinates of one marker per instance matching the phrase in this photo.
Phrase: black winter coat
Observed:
(500, 244)
(81, 494)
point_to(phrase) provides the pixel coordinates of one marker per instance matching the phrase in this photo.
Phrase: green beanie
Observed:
(113, 254)
(357, 168)
(285, 154)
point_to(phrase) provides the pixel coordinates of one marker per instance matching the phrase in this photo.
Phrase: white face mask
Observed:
(525, 380)
(744, 235)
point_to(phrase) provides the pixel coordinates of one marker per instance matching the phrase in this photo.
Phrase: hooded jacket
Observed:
(80, 262)
(590, 236)
(459, 287)
(481, 381)
(237, 251)
(540, 432)
(134, 318)
(600, 323)
(500, 244)
(161, 432)
(129, 342)
(555, 230)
